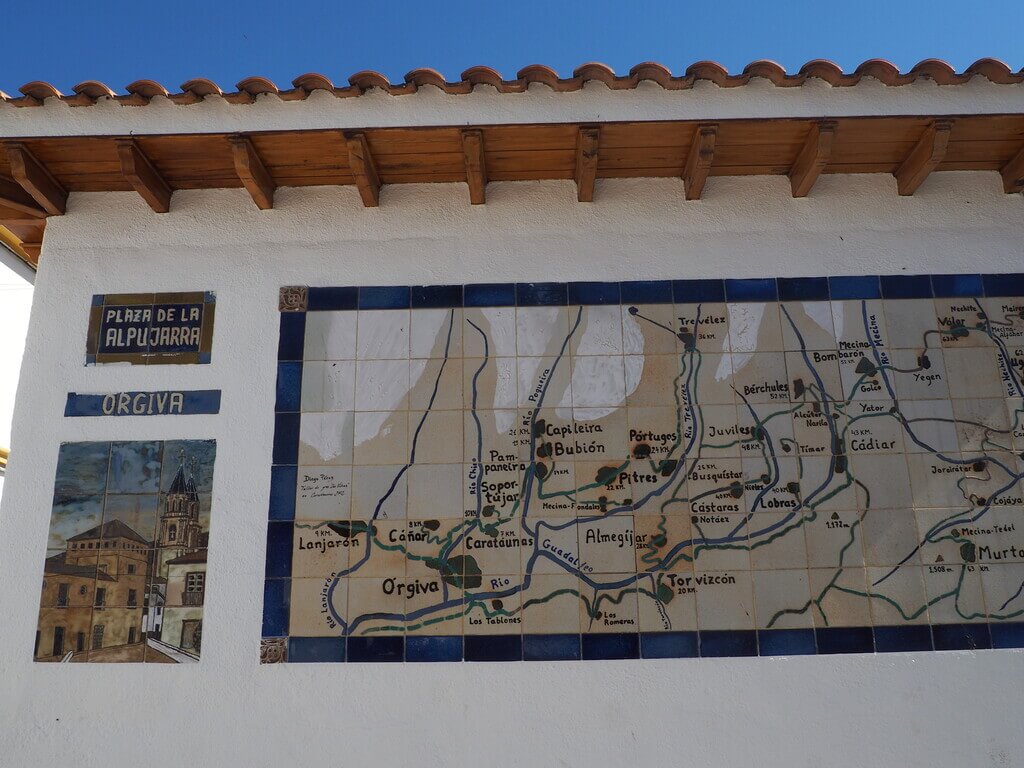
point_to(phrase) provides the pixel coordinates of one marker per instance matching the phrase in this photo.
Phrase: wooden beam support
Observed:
(1013, 174)
(363, 169)
(14, 196)
(924, 157)
(698, 160)
(476, 168)
(141, 174)
(24, 238)
(588, 140)
(32, 249)
(252, 172)
(35, 179)
(812, 158)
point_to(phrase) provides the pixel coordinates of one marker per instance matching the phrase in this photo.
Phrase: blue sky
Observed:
(67, 41)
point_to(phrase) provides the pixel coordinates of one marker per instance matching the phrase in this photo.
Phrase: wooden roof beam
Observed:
(14, 197)
(698, 160)
(363, 169)
(588, 140)
(33, 177)
(32, 248)
(813, 158)
(924, 157)
(476, 168)
(25, 238)
(141, 174)
(1013, 174)
(252, 172)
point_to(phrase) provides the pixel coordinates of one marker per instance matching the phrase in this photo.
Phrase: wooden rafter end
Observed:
(924, 157)
(143, 177)
(1013, 174)
(35, 179)
(699, 159)
(252, 172)
(476, 167)
(813, 158)
(588, 141)
(364, 170)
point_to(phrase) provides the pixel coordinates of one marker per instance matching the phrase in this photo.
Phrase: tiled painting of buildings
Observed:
(125, 572)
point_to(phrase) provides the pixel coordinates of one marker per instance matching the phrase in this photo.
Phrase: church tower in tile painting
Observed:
(179, 532)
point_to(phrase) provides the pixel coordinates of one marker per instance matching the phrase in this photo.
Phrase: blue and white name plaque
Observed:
(159, 403)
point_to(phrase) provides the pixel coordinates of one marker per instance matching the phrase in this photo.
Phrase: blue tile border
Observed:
(283, 482)
(1007, 635)
(646, 292)
(689, 291)
(489, 295)
(292, 336)
(551, 648)
(493, 647)
(747, 289)
(380, 648)
(436, 296)
(669, 645)
(696, 291)
(276, 608)
(803, 288)
(542, 294)
(957, 286)
(906, 286)
(332, 299)
(628, 646)
(384, 297)
(279, 549)
(611, 646)
(961, 637)
(590, 646)
(786, 642)
(728, 642)
(901, 639)
(594, 293)
(316, 649)
(1011, 284)
(286, 438)
(844, 287)
(845, 639)
(430, 648)
(289, 387)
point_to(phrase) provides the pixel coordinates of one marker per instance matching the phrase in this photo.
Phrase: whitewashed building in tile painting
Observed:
(583, 420)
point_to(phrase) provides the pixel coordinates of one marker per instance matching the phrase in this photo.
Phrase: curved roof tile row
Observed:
(141, 91)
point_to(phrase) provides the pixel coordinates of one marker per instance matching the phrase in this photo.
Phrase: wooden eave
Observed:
(373, 158)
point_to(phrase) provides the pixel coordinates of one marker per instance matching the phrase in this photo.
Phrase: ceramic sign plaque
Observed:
(160, 403)
(151, 328)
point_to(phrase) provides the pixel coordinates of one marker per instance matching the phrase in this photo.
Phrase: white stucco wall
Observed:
(935, 709)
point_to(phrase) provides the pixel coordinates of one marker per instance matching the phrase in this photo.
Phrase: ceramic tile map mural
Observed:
(647, 469)
(125, 572)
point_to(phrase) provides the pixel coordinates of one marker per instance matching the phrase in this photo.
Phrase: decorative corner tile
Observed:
(293, 298)
(273, 650)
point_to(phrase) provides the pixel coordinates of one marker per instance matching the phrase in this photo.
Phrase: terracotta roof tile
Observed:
(142, 91)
